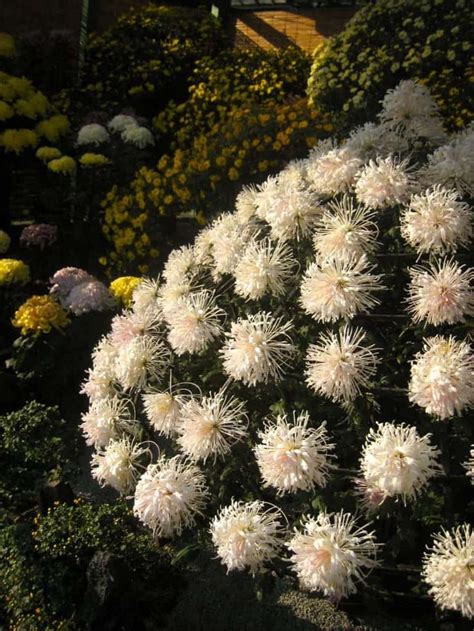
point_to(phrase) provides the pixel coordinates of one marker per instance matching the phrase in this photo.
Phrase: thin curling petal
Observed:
(383, 182)
(118, 464)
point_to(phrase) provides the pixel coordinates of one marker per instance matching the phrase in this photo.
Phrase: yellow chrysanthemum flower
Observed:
(40, 314)
(7, 45)
(89, 160)
(17, 140)
(65, 165)
(13, 272)
(53, 128)
(6, 111)
(33, 107)
(46, 154)
(122, 288)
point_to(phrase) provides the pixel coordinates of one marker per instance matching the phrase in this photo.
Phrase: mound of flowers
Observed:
(391, 40)
(294, 391)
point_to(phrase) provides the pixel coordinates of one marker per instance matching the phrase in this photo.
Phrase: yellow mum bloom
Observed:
(93, 160)
(13, 272)
(4, 242)
(32, 107)
(65, 165)
(18, 140)
(7, 45)
(39, 314)
(6, 111)
(46, 154)
(122, 288)
(53, 128)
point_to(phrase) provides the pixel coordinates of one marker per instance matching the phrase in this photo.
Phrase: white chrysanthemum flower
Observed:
(106, 420)
(339, 289)
(247, 535)
(341, 365)
(290, 209)
(448, 569)
(383, 182)
(93, 134)
(163, 411)
(229, 239)
(117, 465)
(397, 461)
(120, 122)
(265, 267)
(146, 296)
(132, 324)
(436, 221)
(171, 294)
(102, 379)
(141, 137)
(195, 323)
(209, 426)
(332, 171)
(441, 293)
(203, 244)
(410, 110)
(142, 360)
(442, 377)
(258, 349)
(245, 207)
(292, 456)
(180, 265)
(372, 140)
(452, 165)
(344, 231)
(469, 465)
(333, 554)
(169, 495)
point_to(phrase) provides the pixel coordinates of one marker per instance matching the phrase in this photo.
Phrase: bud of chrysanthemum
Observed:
(436, 221)
(195, 323)
(265, 267)
(383, 182)
(397, 461)
(339, 289)
(117, 465)
(258, 349)
(209, 426)
(247, 535)
(448, 570)
(163, 411)
(442, 377)
(331, 170)
(106, 420)
(332, 554)
(345, 231)
(141, 361)
(92, 134)
(169, 495)
(441, 293)
(340, 365)
(292, 456)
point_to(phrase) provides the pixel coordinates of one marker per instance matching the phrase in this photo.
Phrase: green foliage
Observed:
(391, 40)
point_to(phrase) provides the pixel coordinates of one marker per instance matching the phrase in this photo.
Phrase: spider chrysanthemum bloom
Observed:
(332, 171)
(146, 296)
(163, 411)
(371, 140)
(106, 420)
(397, 461)
(180, 265)
(345, 231)
(228, 238)
(332, 554)
(170, 295)
(265, 267)
(169, 495)
(292, 456)
(245, 207)
(102, 379)
(442, 377)
(118, 464)
(195, 323)
(383, 182)
(410, 110)
(247, 535)
(441, 293)
(142, 360)
(341, 365)
(132, 324)
(258, 349)
(448, 569)
(436, 221)
(469, 465)
(339, 289)
(209, 426)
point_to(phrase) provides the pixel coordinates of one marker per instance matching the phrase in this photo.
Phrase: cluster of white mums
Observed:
(332, 199)
(130, 131)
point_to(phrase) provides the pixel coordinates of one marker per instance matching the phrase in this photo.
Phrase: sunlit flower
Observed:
(169, 495)
(332, 171)
(107, 419)
(371, 140)
(146, 295)
(40, 314)
(442, 380)
(258, 349)
(63, 281)
(247, 535)
(292, 456)
(339, 289)
(180, 265)
(163, 411)
(118, 464)
(340, 365)
(332, 554)
(89, 296)
(92, 134)
(229, 238)
(441, 293)
(142, 361)
(132, 324)
(245, 207)
(122, 288)
(13, 272)
(447, 568)
(383, 182)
